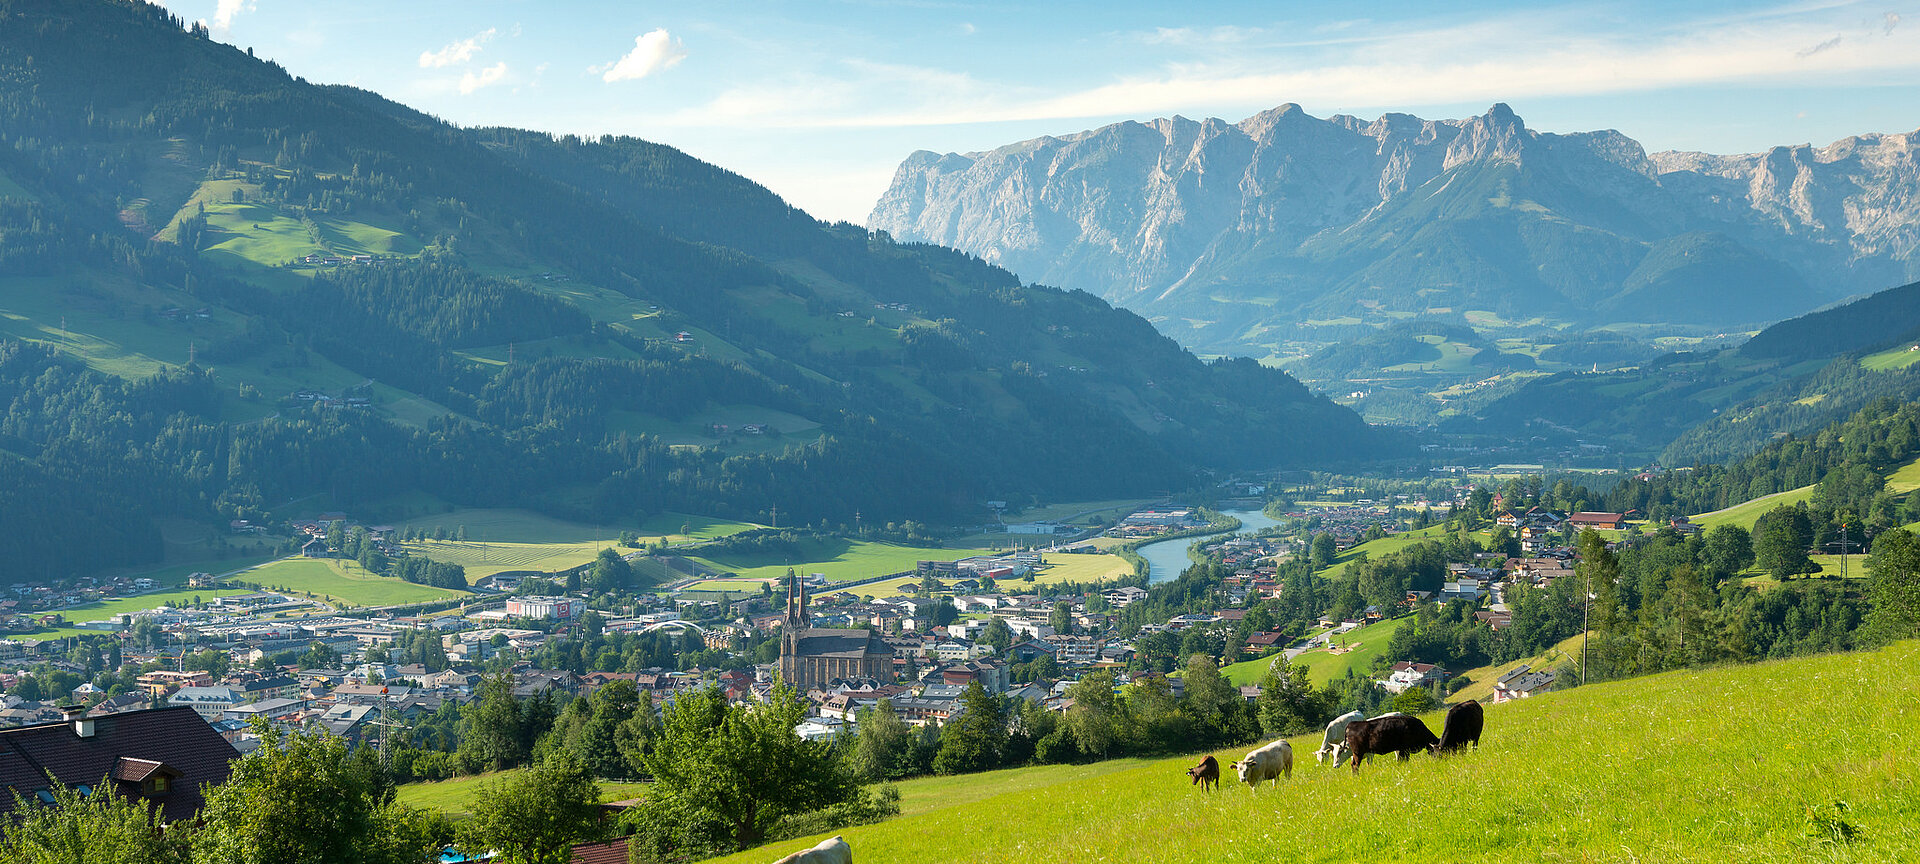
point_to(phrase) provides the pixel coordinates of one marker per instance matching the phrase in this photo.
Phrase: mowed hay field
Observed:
(1323, 665)
(341, 580)
(1710, 766)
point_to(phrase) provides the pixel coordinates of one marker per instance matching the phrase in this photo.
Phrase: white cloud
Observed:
(471, 81)
(1892, 21)
(224, 13)
(456, 52)
(652, 52)
(1521, 55)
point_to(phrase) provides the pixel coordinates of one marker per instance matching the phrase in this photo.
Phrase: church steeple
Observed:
(796, 603)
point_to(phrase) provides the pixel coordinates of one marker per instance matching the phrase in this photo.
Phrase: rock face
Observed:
(1222, 231)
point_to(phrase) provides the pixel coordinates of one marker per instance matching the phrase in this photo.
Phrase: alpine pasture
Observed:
(1741, 763)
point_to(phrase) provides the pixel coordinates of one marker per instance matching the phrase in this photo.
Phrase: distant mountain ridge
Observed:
(1219, 229)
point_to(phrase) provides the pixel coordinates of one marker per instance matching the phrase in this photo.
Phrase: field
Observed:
(1322, 665)
(1382, 546)
(1892, 358)
(1905, 479)
(171, 576)
(1744, 515)
(485, 559)
(502, 540)
(1662, 768)
(840, 560)
(344, 581)
(453, 797)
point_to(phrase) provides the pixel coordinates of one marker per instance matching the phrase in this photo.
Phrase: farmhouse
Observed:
(1610, 521)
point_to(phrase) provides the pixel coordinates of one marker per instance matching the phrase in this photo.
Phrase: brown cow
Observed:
(1463, 725)
(1387, 735)
(1207, 774)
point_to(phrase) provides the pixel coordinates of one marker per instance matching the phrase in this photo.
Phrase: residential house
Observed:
(165, 756)
(1406, 675)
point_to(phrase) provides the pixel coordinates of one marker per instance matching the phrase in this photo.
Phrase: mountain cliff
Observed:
(1224, 232)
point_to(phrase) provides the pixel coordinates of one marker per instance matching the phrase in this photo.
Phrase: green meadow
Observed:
(1359, 647)
(1744, 515)
(1741, 763)
(1893, 358)
(341, 580)
(839, 559)
(1376, 548)
(453, 797)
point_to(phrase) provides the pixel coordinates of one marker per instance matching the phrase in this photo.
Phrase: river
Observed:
(1168, 558)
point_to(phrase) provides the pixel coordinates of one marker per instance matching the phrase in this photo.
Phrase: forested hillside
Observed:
(1713, 406)
(366, 302)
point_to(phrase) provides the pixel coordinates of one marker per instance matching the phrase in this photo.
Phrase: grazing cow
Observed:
(1336, 737)
(1207, 774)
(1463, 725)
(1401, 734)
(1271, 762)
(829, 851)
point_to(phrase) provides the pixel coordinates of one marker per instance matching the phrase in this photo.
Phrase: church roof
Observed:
(828, 642)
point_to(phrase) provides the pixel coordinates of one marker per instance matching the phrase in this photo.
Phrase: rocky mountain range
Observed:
(1233, 235)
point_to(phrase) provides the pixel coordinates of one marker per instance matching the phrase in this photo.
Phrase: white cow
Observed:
(1335, 742)
(830, 851)
(1271, 762)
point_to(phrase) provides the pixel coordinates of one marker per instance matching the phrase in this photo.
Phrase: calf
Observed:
(832, 850)
(1387, 735)
(1463, 725)
(1271, 762)
(1207, 774)
(1336, 737)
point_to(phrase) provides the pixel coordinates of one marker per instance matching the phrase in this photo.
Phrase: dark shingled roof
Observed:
(828, 642)
(129, 747)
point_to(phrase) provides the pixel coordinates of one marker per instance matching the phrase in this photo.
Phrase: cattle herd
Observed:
(1355, 737)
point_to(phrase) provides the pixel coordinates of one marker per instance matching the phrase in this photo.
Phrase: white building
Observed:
(543, 607)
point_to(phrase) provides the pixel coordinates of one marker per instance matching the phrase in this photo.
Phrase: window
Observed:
(84, 790)
(158, 784)
(45, 795)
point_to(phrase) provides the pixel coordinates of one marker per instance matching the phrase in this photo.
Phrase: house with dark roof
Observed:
(167, 756)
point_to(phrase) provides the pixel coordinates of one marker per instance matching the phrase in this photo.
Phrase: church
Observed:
(813, 656)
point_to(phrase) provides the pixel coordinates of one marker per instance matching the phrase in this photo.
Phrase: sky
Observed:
(821, 100)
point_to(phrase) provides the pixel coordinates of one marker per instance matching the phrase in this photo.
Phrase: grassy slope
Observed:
(1744, 515)
(1323, 666)
(1892, 358)
(341, 580)
(1382, 546)
(1905, 479)
(1483, 677)
(1714, 765)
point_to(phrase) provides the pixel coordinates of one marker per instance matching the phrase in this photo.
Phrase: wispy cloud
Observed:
(652, 51)
(1519, 55)
(227, 10)
(456, 52)
(486, 77)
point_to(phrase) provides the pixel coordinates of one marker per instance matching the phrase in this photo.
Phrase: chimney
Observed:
(77, 715)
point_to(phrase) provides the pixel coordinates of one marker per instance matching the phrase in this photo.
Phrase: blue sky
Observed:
(821, 100)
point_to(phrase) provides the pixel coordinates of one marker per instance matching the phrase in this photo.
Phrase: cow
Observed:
(1388, 734)
(1463, 725)
(1336, 738)
(829, 851)
(1207, 774)
(1271, 762)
